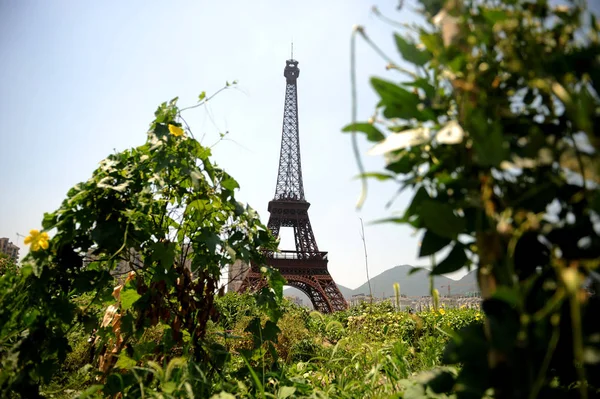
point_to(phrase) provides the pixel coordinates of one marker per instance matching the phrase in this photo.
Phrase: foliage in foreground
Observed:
(497, 132)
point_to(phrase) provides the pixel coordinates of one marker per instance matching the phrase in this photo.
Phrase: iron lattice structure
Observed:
(306, 267)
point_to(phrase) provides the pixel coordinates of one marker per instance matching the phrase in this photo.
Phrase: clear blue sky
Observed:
(79, 79)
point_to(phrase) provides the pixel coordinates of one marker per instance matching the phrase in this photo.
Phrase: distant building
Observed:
(10, 249)
(237, 271)
(134, 261)
(357, 299)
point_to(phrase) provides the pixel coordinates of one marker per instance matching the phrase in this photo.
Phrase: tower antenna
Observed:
(292, 49)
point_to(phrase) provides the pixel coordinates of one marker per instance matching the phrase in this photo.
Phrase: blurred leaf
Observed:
(591, 355)
(414, 270)
(494, 16)
(401, 165)
(418, 199)
(285, 392)
(378, 176)
(398, 220)
(400, 103)
(440, 219)
(373, 134)
(128, 298)
(439, 380)
(432, 243)
(168, 387)
(424, 84)
(456, 259)
(488, 140)
(410, 52)
(125, 362)
(269, 333)
(507, 295)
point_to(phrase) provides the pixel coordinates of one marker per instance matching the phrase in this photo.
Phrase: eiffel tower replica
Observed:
(306, 267)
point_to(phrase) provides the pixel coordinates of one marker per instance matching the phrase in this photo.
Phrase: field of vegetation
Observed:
(366, 351)
(495, 131)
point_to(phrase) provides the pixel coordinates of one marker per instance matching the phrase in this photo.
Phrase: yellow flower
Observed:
(37, 240)
(442, 311)
(175, 130)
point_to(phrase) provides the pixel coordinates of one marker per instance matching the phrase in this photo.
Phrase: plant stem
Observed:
(362, 235)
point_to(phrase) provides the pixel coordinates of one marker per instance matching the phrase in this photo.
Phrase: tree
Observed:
(169, 215)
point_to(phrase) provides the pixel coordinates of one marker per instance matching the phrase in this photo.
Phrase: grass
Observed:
(368, 351)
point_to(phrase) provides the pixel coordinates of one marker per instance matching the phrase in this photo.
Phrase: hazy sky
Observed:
(79, 79)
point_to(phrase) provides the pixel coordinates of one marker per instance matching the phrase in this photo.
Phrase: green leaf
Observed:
(399, 220)
(414, 270)
(285, 392)
(488, 141)
(494, 16)
(230, 183)
(420, 196)
(269, 333)
(209, 239)
(373, 134)
(440, 219)
(125, 362)
(168, 387)
(424, 84)
(439, 380)
(128, 298)
(202, 96)
(432, 243)
(375, 175)
(490, 150)
(399, 102)
(410, 52)
(507, 295)
(455, 260)
(401, 165)
(432, 42)
(30, 316)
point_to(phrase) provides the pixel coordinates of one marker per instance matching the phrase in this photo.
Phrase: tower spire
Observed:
(292, 49)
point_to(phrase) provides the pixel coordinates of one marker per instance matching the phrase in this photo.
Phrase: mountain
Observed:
(416, 284)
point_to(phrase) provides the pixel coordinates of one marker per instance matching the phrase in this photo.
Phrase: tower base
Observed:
(308, 275)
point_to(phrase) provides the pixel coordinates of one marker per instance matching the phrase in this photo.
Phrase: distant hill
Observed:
(416, 284)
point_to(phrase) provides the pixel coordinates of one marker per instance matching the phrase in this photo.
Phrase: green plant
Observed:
(495, 128)
(164, 212)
